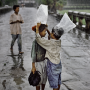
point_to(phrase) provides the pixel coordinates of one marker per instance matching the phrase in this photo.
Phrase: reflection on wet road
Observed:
(15, 69)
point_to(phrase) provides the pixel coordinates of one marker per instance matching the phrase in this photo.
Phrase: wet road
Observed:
(14, 70)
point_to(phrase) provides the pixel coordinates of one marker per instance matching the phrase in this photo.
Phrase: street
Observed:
(14, 70)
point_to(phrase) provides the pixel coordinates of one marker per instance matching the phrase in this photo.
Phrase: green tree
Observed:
(10, 2)
(53, 5)
(0, 3)
(47, 2)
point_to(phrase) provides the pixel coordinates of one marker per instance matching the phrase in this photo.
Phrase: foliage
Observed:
(7, 2)
(62, 2)
(47, 2)
(59, 6)
(10, 2)
(58, 3)
(0, 3)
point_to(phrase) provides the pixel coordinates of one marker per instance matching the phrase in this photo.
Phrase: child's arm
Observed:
(48, 34)
(48, 31)
(16, 22)
(33, 67)
(33, 56)
(11, 20)
(21, 20)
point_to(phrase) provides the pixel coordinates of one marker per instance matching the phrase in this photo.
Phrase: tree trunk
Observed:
(54, 6)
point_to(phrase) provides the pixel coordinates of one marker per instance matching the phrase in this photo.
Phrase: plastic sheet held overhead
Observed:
(65, 23)
(42, 14)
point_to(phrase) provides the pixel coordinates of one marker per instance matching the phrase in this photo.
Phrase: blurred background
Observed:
(53, 5)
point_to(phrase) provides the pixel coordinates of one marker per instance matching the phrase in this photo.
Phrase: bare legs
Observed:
(57, 88)
(42, 87)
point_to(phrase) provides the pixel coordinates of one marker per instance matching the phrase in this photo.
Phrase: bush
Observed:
(0, 3)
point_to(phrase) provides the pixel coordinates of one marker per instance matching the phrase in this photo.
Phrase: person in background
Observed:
(15, 21)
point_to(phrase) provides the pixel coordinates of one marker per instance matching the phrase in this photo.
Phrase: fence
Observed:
(4, 10)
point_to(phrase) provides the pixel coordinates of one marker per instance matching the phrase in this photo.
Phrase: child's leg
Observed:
(58, 87)
(43, 86)
(54, 75)
(19, 43)
(59, 81)
(55, 89)
(37, 87)
(14, 37)
(41, 67)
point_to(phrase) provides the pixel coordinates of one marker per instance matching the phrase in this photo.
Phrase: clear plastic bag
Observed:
(65, 23)
(42, 14)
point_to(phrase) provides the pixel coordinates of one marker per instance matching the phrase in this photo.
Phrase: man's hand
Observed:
(33, 69)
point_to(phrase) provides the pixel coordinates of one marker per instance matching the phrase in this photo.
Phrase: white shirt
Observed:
(15, 28)
(52, 47)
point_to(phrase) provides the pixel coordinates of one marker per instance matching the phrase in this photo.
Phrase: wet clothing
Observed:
(54, 67)
(37, 52)
(42, 68)
(52, 47)
(16, 30)
(38, 56)
(19, 41)
(54, 74)
(15, 27)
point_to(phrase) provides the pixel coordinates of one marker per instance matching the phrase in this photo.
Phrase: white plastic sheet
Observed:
(65, 23)
(42, 14)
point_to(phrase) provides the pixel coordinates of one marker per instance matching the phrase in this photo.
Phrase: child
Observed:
(52, 47)
(38, 57)
(15, 21)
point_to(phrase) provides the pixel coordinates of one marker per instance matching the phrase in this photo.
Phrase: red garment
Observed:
(34, 28)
